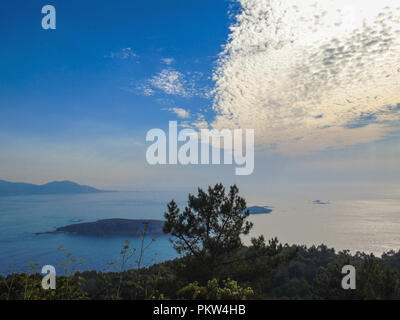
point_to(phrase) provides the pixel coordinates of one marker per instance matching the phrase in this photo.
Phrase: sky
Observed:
(318, 81)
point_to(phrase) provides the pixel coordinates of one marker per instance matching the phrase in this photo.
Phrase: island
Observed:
(260, 209)
(321, 202)
(56, 187)
(112, 228)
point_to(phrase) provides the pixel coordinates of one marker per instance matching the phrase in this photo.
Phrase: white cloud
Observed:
(168, 61)
(170, 82)
(180, 112)
(200, 122)
(175, 83)
(305, 73)
(145, 90)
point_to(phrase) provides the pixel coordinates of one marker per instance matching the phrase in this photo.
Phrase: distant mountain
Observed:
(112, 227)
(259, 210)
(56, 187)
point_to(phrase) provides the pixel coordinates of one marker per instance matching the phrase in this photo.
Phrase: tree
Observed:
(373, 281)
(210, 227)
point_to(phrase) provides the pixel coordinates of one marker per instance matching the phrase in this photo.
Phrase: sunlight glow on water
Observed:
(356, 225)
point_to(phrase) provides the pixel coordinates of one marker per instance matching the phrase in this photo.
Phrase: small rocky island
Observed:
(321, 202)
(259, 209)
(127, 227)
(112, 227)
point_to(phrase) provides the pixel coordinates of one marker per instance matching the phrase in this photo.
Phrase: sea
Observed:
(369, 224)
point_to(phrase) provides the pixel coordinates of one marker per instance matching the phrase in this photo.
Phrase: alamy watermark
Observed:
(349, 280)
(197, 145)
(49, 280)
(49, 20)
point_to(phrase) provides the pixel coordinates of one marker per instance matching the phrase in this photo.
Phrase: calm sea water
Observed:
(21, 217)
(370, 225)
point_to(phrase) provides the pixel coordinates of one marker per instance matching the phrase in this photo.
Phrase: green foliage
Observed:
(314, 273)
(229, 290)
(192, 291)
(208, 232)
(210, 227)
(29, 287)
(373, 281)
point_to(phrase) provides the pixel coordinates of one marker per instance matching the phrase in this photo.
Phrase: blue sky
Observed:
(65, 74)
(76, 102)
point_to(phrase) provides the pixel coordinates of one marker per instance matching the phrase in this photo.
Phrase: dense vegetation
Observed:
(215, 264)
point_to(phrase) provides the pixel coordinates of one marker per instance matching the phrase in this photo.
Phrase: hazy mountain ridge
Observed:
(56, 187)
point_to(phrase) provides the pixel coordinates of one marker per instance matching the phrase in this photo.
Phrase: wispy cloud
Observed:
(200, 122)
(165, 101)
(168, 61)
(308, 74)
(144, 89)
(171, 82)
(180, 112)
(125, 53)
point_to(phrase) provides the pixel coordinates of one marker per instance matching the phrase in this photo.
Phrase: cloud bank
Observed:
(309, 75)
